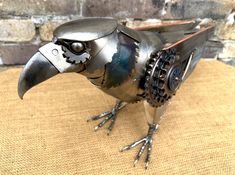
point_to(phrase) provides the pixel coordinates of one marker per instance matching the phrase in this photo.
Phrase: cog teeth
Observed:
(63, 48)
(69, 61)
(154, 59)
(161, 92)
(161, 84)
(64, 55)
(157, 68)
(158, 99)
(147, 78)
(151, 65)
(153, 54)
(148, 72)
(73, 58)
(136, 44)
(162, 75)
(171, 61)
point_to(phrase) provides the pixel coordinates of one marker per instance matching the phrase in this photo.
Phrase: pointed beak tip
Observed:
(21, 95)
(37, 70)
(20, 91)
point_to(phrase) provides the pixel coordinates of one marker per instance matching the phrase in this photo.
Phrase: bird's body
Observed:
(127, 64)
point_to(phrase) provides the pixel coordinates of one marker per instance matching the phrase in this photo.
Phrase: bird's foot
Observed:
(109, 115)
(146, 144)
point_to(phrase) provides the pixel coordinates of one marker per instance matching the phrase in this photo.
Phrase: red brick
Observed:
(37, 7)
(123, 8)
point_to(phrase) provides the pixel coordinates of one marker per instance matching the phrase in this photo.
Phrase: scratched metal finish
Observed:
(127, 64)
(129, 88)
(123, 62)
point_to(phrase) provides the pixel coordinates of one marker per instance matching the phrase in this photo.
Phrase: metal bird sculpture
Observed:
(130, 65)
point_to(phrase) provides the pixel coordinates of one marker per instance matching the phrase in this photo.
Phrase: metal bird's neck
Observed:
(118, 68)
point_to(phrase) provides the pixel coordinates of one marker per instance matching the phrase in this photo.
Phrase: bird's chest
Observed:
(122, 66)
(120, 73)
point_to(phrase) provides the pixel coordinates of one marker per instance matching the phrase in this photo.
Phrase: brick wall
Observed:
(25, 25)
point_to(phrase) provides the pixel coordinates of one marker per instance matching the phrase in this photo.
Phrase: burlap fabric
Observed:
(47, 132)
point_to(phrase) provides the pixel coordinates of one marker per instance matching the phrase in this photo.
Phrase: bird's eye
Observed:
(77, 47)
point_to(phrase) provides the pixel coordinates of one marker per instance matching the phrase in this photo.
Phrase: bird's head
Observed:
(74, 45)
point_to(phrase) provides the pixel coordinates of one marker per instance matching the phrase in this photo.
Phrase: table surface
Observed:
(47, 132)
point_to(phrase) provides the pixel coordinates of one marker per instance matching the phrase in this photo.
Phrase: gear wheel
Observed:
(75, 58)
(163, 77)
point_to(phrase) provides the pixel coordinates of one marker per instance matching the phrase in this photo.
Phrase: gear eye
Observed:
(77, 47)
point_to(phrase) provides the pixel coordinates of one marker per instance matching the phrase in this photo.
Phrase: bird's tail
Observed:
(191, 48)
(171, 31)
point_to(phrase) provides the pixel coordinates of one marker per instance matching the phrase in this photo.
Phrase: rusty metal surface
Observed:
(167, 26)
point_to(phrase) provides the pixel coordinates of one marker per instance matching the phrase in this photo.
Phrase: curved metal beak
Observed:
(46, 63)
(37, 70)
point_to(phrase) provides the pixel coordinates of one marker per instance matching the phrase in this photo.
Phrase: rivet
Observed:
(55, 52)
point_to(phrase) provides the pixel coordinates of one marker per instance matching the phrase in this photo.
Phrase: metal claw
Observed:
(132, 145)
(103, 122)
(111, 125)
(141, 151)
(97, 117)
(149, 150)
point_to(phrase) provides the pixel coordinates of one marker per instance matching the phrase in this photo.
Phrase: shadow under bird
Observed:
(130, 65)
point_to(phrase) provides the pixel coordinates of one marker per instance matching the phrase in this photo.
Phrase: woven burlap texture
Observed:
(47, 132)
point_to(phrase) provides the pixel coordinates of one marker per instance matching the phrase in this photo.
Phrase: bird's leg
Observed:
(153, 116)
(108, 116)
